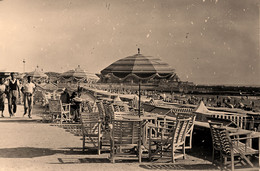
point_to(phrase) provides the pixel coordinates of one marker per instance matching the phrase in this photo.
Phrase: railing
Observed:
(242, 121)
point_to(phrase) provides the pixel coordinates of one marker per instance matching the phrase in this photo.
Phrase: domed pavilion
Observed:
(132, 69)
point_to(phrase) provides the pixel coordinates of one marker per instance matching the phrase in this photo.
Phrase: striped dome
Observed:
(140, 66)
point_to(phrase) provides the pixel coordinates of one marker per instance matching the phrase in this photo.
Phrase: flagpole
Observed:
(139, 102)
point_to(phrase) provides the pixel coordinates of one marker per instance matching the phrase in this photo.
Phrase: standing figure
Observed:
(2, 97)
(65, 96)
(75, 107)
(13, 94)
(28, 91)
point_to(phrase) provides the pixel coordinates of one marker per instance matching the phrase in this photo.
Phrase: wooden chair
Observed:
(216, 144)
(169, 139)
(169, 122)
(232, 148)
(125, 137)
(58, 111)
(91, 130)
(188, 144)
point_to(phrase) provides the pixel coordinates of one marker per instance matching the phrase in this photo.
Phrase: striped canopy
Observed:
(77, 73)
(37, 74)
(140, 67)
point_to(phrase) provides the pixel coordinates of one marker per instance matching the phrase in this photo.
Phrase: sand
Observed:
(28, 144)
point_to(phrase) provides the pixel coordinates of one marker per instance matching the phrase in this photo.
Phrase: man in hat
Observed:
(28, 91)
(13, 94)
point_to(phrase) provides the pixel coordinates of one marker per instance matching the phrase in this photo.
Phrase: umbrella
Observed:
(37, 73)
(140, 67)
(77, 73)
(4, 74)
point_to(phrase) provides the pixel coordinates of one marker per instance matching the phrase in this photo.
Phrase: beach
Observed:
(29, 144)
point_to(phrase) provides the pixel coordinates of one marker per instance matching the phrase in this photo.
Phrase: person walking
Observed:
(2, 96)
(28, 91)
(13, 94)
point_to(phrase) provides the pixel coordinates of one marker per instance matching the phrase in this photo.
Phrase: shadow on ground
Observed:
(178, 166)
(20, 120)
(31, 152)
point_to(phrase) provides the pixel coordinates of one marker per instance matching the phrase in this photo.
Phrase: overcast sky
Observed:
(206, 41)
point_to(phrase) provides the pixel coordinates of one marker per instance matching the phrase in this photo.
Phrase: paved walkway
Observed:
(27, 144)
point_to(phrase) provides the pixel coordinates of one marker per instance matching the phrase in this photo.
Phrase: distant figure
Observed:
(65, 97)
(164, 97)
(13, 94)
(75, 107)
(28, 90)
(2, 97)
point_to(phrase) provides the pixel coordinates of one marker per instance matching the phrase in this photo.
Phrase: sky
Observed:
(205, 41)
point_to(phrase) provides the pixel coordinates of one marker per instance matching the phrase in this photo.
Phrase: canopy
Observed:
(140, 67)
(77, 73)
(201, 108)
(37, 73)
(47, 87)
(4, 74)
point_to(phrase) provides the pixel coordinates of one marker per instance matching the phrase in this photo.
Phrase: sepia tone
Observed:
(161, 59)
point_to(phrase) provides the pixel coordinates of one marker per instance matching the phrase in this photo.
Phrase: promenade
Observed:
(28, 144)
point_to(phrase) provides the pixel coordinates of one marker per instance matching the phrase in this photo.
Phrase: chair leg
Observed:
(99, 139)
(183, 151)
(150, 150)
(232, 162)
(173, 154)
(84, 141)
(140, 154)
(221, 162)
(213, 155)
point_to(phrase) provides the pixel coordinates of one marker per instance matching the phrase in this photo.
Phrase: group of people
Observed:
(12, 91)
(73, 100)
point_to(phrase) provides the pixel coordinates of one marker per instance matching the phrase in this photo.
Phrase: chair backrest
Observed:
(87, 106)
(55, 106)
(224, 140)
(180, 130)
(182, 110)
(215, 138)
(117, 108)
(126, 131)
(108, 116)
(89, 122)
(101, 109)
(187, 116)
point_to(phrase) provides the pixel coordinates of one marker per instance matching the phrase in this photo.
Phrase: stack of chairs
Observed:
(232, 147)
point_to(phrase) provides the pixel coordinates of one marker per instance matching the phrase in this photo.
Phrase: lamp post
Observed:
(24, 65)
